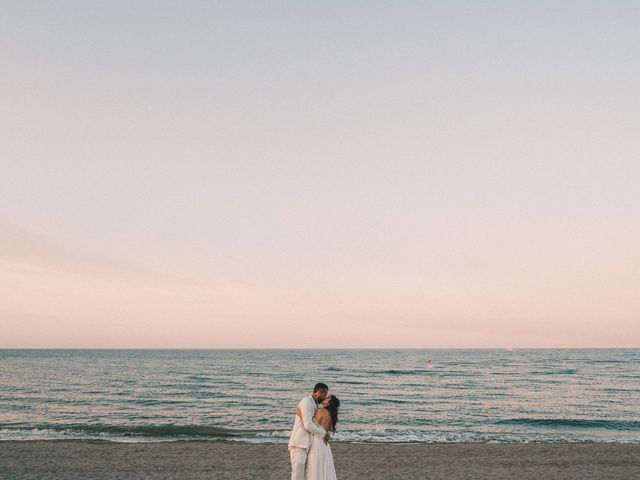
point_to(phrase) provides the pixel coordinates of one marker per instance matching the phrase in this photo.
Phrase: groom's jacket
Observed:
(305, 427)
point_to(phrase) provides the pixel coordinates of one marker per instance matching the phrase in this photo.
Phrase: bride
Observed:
(320, 459)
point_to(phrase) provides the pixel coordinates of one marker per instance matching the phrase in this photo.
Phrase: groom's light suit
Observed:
(303, 430)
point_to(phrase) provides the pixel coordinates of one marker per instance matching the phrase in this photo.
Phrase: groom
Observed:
(303, 430)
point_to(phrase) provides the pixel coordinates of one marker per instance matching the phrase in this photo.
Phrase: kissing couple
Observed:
(315, 420)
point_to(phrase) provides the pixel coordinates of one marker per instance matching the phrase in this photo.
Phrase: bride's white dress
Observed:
(320, 461)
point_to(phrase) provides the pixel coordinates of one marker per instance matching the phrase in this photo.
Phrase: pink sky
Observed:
(67, 297)
(319, 176)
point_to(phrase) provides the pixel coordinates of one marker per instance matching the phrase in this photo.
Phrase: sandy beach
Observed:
(87, 459)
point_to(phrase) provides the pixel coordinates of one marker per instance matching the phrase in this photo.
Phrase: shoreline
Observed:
(223, 441)
(206, 459)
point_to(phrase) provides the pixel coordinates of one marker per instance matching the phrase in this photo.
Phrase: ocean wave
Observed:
(375, 435)
(46, 431)
(420, 436)
(383, 401)
(573, 423)
(393, 372)
(563, 371)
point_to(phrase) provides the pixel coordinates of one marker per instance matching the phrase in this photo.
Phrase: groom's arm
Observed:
(307, 411)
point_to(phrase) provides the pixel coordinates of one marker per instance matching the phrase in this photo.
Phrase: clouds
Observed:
(41, 252)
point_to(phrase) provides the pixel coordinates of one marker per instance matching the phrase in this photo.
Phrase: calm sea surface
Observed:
(386, 395)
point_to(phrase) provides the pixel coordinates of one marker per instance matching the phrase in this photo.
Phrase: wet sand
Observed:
(88, 459)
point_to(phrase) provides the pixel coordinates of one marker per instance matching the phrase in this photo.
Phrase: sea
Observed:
(386, 396)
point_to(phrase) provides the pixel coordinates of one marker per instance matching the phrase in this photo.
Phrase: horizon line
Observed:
(320, 348)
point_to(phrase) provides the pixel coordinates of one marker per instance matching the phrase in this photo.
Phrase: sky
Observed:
(438, 174)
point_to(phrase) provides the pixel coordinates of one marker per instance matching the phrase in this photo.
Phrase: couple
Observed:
(316, 418)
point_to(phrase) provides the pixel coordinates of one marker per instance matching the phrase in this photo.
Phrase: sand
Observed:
(87, 459)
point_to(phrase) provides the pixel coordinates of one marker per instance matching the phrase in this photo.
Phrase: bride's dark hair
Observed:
(332, 407)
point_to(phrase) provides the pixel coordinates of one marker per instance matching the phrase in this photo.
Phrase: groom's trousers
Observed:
(298, 462)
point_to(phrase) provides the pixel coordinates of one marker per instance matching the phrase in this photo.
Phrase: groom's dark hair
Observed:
(320, 386)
